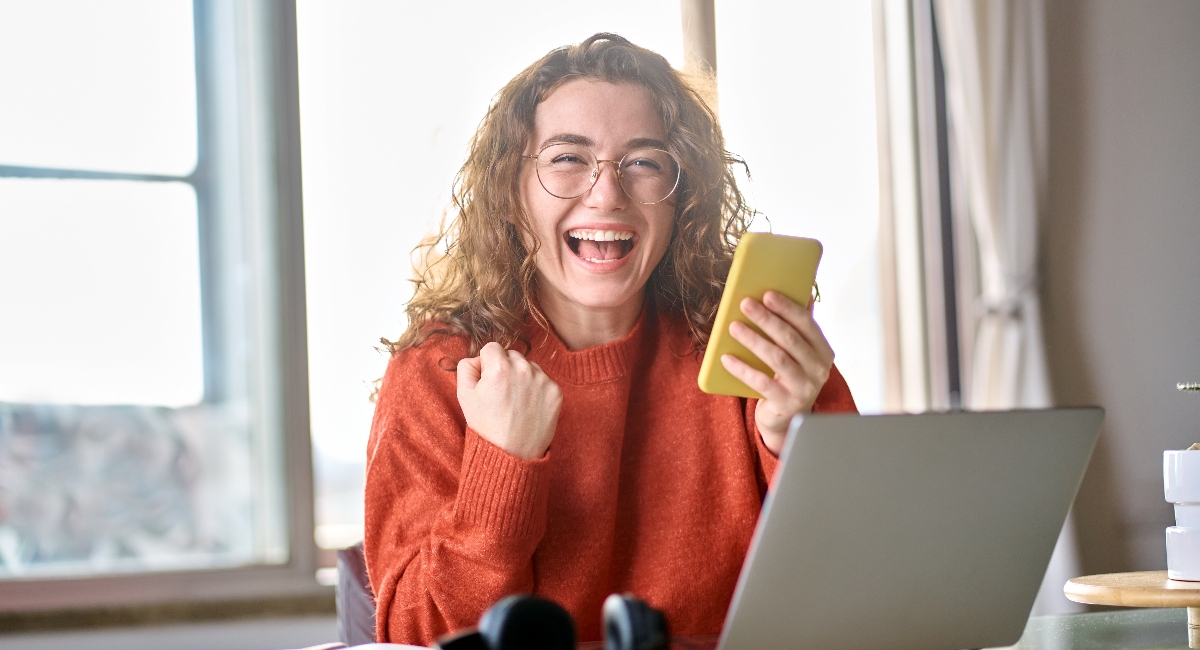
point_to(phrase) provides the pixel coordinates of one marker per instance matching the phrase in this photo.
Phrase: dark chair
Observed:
(355, 604)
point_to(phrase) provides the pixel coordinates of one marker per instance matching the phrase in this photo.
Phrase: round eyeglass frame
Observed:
(596, 172)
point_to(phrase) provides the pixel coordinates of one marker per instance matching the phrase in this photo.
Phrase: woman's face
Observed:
(575, 270)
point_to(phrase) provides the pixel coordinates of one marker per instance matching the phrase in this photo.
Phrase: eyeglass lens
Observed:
(647, 175)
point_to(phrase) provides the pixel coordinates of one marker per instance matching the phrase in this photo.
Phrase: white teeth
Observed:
(600, 235)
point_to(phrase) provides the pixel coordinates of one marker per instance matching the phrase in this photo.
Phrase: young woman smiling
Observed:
(539, 428)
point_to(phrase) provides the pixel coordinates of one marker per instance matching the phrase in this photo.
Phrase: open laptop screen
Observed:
(909, 531)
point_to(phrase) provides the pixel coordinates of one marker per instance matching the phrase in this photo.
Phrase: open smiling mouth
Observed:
(600, 246)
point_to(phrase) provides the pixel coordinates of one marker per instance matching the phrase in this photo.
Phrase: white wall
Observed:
(1122, 255)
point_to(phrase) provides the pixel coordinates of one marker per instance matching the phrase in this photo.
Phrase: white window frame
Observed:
(248, 178)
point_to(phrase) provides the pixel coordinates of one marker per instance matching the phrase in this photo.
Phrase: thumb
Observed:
(469, 371)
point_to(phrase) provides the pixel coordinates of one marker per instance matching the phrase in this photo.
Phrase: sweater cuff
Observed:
(501, 492)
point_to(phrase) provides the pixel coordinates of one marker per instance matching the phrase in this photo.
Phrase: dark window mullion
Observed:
(949, 268)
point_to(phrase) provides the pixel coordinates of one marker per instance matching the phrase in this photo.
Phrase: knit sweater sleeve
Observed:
(834, 397)
(452, 521)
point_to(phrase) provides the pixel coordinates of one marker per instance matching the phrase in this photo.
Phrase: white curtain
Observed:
(994, 54)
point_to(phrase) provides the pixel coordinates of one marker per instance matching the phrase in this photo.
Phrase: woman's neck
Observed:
(580, 326)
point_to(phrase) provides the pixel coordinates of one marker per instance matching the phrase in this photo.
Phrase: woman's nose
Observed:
(606, 192)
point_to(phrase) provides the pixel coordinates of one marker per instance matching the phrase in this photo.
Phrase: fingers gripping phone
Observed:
(761, 262)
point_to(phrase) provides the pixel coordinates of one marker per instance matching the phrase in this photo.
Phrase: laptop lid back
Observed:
(909, 531)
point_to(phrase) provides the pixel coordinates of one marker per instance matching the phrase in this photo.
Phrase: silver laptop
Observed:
(909, 531)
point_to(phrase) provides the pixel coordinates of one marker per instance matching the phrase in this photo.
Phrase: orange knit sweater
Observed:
(650, 486)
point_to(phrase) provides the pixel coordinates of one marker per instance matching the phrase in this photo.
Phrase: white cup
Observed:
(1187, 515)
(1181, 475)
(1181, 486)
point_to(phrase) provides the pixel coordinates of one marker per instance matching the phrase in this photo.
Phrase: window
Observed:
(153, 361)
(98, 176)
(797, 97)
(152, 375)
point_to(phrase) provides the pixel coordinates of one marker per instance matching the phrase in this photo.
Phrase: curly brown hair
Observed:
(477, 278)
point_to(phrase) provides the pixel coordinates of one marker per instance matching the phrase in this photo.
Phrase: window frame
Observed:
(248, 163)
(926, 258)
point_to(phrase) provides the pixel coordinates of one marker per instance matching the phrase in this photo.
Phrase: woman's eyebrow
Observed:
(567, 138)
(582, 140)
(638, 143)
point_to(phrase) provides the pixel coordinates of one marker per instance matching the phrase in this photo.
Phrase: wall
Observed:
(1122, 255)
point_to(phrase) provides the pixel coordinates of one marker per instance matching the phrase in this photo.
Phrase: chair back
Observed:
(355, 603)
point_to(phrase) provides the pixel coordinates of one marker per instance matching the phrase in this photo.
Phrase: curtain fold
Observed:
(994, 55)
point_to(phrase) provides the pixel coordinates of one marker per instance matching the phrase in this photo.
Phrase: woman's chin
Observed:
(599, 294)
(600, 299)
(597, 286)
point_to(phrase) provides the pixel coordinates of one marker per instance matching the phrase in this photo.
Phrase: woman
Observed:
(539, 428)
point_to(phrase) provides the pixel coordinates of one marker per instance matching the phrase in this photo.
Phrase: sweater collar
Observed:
(596, 364)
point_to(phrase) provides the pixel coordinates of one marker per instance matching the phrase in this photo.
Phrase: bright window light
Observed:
(797, 98)
(98, 85)
(100, 287)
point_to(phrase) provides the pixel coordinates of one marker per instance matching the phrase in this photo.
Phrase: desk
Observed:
(1130, 628)
(1160, 629)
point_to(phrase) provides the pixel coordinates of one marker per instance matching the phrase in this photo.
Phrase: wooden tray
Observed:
(1140, 589)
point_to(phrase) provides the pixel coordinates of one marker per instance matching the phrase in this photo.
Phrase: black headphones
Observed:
(532, 623)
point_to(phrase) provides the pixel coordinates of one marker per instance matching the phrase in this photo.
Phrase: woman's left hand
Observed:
(794, 348)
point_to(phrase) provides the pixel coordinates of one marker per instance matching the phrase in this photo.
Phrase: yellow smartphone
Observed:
(761, 262)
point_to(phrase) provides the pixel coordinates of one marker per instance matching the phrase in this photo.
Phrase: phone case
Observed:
(761, 262)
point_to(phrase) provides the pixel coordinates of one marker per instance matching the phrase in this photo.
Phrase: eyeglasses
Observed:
(568, 171)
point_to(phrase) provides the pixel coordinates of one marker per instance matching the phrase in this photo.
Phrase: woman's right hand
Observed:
(509, 401)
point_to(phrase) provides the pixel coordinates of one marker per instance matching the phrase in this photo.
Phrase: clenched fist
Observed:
(509, 401)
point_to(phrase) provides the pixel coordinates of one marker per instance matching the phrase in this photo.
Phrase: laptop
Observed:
(909, 531)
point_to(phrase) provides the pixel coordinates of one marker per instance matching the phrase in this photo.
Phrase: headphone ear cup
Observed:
(618, 624)
(631, 624)
(527, 623)
(491, 624)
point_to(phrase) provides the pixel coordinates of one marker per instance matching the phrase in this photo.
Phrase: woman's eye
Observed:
(566, 158)
(645, 164)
